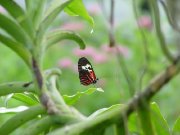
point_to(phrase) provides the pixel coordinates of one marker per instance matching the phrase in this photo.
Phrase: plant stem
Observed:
(145, 47)
(52, 72)
(111, 23)
(20, 118)
(170, 20)
(39, 126)
(55, 95)
(161, 38)
(145, 118)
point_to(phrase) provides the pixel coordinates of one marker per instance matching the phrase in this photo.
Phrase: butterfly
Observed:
(86, 72)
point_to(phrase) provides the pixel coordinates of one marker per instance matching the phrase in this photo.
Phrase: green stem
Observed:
(144, 44)
(52, 72)
(169, 17)
(39, 126)
(125, 72)
(145, 118)
(119, 129)
(45, 123)
(47, 98)
(54, 93)
(16, 87)
(20, 118)
(161, 38)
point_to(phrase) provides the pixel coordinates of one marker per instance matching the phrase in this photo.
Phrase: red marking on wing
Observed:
(86, 77)
(92, 75)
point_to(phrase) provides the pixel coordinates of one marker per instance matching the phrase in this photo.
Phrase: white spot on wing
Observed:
(87, 67)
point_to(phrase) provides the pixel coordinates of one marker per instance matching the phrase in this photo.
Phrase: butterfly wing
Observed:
(86, 72)
(85, 78)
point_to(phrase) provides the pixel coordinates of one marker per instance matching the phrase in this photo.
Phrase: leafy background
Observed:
(66, 54)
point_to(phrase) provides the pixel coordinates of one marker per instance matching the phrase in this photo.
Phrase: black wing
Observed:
(84, 74)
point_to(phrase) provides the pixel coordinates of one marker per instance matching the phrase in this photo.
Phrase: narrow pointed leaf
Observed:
(159, 122)
(6, 99)
(18, 13)
(176, 128)
(57, 36)
(16, 47)
(38, 14)
(16, 87)
(25, 98)
(13, 29)
(29, 5)
(144, 116)
(133, 124)
(13, 110)
(49, 18)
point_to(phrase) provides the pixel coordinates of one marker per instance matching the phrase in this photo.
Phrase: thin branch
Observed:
(112, 43)
(145, 46)
(125, 72)
(111, 22)
(115, 115)
(169, 18)
(160, 35)
(16, 87)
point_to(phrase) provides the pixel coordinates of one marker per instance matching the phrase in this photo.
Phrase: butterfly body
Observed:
(86, 72)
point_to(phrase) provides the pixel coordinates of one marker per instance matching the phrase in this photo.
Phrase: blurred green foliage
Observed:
(115, 86)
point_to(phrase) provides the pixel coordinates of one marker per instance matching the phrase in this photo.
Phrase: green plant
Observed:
(27, 33)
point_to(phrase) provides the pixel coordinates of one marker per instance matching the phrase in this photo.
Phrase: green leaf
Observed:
(51, 14)
(20, 118)
(16, 47)
(38, 14)
(13, 29)
(13, 110)
(39, 126)
(144, 116)
(18, 13)
(30, 6)
(120, 128)
(25, 98)
(6, 99)
(72, 99)
(133, 124)
(101, 111)
(158, 120)
(16, 87)
(57, 36)
(176, 128)
(77, 8)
